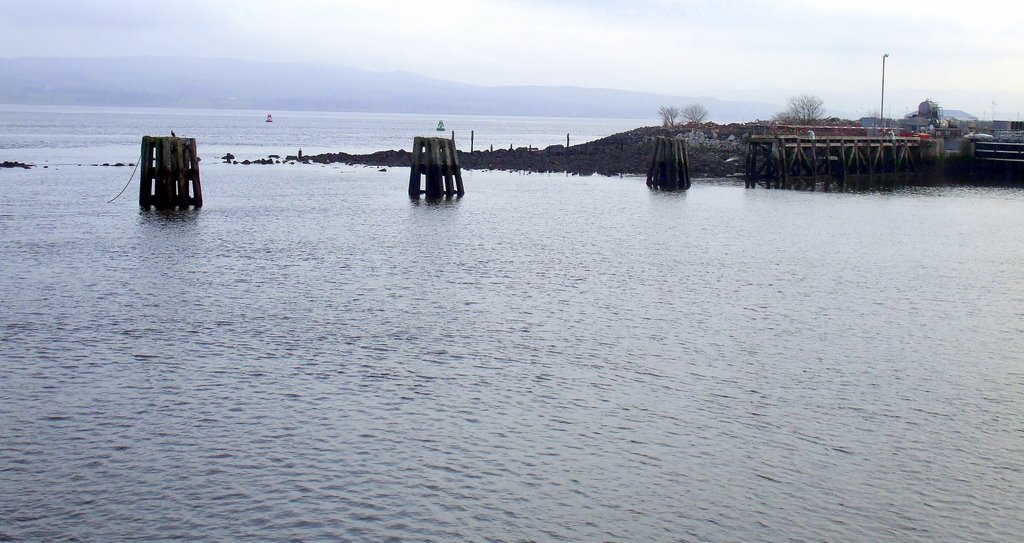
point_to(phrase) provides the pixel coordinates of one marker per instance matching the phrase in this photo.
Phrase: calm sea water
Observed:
(313, 357)
(55, 135)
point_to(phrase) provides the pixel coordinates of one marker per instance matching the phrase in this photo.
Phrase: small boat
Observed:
(440, 126)
(269, 118)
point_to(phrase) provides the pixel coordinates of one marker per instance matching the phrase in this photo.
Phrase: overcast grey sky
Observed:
(965, 55)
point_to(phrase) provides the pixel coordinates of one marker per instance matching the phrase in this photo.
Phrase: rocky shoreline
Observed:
(714, 151)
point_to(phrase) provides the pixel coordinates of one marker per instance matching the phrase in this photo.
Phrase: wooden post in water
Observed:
(670, 165)
(170, 173)
(437, 159)
(800, 161)
(828, 164)
(858, 169)
(814, 164)
(842, 165)
(783, 181)
(750, 180)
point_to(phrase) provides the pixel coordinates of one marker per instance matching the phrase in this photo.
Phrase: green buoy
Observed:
(440, 126)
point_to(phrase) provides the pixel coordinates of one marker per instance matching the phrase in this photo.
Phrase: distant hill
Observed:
(957, 114)
(239, 84)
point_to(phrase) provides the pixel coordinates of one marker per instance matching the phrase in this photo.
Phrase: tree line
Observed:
(804, 109)
(693, 113)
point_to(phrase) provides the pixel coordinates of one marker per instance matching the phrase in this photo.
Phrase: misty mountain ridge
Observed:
(242, 84)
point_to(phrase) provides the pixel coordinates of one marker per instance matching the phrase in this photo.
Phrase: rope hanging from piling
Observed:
(130, 177)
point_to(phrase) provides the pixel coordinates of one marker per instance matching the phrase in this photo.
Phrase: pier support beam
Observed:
(170, 173)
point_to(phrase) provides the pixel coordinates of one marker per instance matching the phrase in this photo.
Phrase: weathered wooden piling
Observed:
(170, 173)
(436, 159)
(833, 163)
(670, 165)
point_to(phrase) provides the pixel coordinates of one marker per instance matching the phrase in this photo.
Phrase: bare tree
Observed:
(669, 114)
(802, 109)
(695, 113)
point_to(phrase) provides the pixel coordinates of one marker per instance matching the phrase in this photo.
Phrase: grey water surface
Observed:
(314, 357)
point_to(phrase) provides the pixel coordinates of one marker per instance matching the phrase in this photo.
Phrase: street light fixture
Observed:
(881, 108)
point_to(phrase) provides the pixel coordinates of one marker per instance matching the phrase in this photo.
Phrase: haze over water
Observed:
(312, 356)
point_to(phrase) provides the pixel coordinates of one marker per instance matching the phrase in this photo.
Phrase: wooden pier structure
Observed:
(995, 161)
(670, 165)
(437, 160)
(999, 151)
(170, 173)
(833, 163)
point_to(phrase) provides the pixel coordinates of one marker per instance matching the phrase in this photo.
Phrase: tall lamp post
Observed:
(881, 107)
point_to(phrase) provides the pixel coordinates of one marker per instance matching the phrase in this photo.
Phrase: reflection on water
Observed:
(160, 216)
(444, 203)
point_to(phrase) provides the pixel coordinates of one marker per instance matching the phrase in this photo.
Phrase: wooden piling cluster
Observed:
(833, 163)
(437, 160)
(670, 165)
(170, 173)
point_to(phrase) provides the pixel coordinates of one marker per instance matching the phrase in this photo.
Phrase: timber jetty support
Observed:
(834, 163)
(1001, 161)
(437, 160)
(670, 165)
(170, 173)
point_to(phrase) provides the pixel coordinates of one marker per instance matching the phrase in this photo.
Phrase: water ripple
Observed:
(330, 363)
